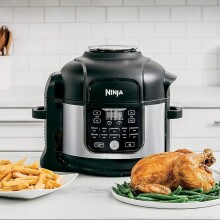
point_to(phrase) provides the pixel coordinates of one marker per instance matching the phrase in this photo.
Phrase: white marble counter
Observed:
(183, 96)
(89, 197)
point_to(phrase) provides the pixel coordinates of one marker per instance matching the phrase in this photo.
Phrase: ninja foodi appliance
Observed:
(105, 110)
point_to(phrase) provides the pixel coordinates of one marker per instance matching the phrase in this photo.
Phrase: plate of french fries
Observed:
(28, 181)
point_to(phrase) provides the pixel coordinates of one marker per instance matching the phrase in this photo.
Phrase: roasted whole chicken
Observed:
(161, 173)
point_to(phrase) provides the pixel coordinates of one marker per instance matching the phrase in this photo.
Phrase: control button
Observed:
(94, 129)
(97, 120)
(96, 112)
(133, 135)
(114, 145)
(104, 135)
(114, 135)
(124, 135)
(109, 123)
(124, 129)
(133, 129)
(119, 122)
(129, 144)
(99, 144)
(92, 134)
(131, 112)
(114, 130)
(131, 120)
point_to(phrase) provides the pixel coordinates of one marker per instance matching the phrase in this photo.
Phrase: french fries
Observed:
(17, 176)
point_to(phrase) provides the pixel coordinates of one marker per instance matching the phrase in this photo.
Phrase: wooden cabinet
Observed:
(198, 129)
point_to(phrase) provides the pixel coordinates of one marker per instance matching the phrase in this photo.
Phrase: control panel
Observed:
(114, 130)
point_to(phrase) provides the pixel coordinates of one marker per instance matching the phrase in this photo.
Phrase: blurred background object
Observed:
(5, 59)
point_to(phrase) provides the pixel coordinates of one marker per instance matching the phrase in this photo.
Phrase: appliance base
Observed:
(97, 167)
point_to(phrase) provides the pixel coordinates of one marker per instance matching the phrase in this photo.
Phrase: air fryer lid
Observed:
(122, 64)
(112, 48)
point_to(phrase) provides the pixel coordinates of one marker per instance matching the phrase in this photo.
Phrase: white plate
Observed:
(34, 193)
(160, 205)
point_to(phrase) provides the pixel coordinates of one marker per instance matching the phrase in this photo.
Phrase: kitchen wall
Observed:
(182, 35)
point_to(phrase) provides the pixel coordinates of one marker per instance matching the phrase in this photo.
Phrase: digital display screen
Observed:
(114, 114)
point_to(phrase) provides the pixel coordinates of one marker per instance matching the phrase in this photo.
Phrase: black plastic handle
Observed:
(39, 112)
(174, 112)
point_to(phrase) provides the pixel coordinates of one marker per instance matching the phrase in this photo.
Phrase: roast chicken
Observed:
(161, 173)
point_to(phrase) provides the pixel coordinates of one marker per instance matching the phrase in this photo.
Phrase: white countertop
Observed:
(182, 96)
(89, 197)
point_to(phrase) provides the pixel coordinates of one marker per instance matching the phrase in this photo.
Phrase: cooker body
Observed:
(105, 111)
(151, 129)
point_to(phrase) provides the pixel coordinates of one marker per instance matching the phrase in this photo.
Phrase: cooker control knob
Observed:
(114, 145)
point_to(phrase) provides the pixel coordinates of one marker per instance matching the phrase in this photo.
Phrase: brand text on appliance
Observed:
(111, 92)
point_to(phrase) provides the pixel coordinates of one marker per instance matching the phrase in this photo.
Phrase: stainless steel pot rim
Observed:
(112, 48)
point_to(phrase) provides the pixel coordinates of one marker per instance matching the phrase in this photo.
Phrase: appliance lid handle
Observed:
(174, 112)
(39, 112)
(169, 79)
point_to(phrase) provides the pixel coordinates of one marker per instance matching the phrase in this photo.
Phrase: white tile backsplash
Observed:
(90, 14)
(13, 3)
(211, 13)
(154, 14)
(28, 14)
(75, 2)
(123, 41)
(201, 61)
(172, 62)
(28, 46)
(59, 14)
(82, 44)
(32, 78)
(6, 14)
(181, 35)
(107, 30)
(169, 2)
(189, 77)
(184, 45)
(44, 2)
(186, 13)
(64, 59)
(20, 62)
(43, 31)
(75, 30)
(202, 2)
(44, 62)
(138, 30)
(155, 45)
(204, 29)
(119, 14)
(177, 29)
(211, 45)
(107, 2)
(210, 77)
(138, 2)
(59, 46)
(19, 30)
